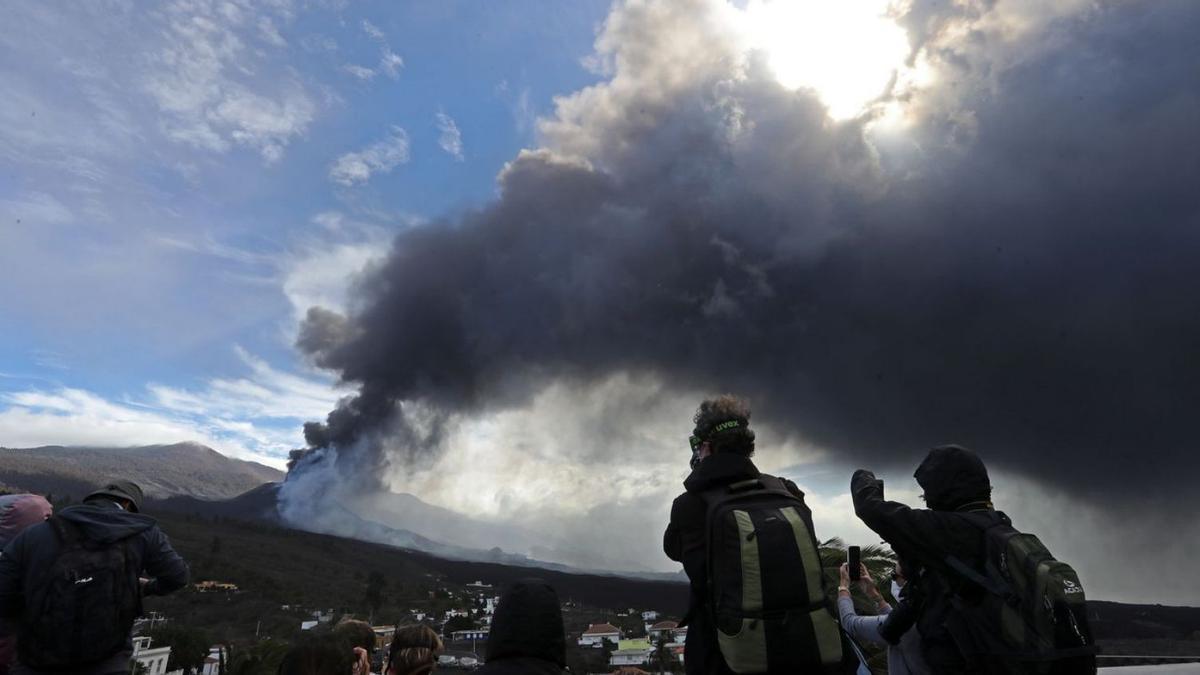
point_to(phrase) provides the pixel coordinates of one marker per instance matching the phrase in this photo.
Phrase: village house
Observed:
(383, 635)
(662, 631)
(153, 659)
(472, 634)
(631, 653)
(215, 587)
(597, 633)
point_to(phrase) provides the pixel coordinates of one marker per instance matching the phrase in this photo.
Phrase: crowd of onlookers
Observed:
(970, 593)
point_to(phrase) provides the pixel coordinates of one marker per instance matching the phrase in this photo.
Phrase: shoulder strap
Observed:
(992, 582)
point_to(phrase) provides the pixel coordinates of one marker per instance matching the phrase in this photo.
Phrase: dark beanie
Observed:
(528, 622)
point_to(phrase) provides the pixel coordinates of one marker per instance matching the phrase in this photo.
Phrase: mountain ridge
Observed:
(162, 470)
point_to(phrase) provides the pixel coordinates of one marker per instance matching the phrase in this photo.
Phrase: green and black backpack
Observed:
(1031, 616)
(766, 591)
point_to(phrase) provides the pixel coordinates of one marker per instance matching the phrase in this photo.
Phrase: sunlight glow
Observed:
(847, 51)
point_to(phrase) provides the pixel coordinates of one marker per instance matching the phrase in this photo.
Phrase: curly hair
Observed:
(713, 419)
(414, 650)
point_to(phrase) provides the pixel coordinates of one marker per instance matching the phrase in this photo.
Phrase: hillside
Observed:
(275, 566)
(162, 470)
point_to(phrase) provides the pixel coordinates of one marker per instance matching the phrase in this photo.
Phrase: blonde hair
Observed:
(414, 650)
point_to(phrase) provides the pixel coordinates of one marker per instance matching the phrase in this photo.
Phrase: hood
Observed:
(104, 522)
(951, 477)
(528, 622)
(18, 512)
(720, 469)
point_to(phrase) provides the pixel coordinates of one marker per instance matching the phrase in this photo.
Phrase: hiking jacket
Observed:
(954, 481)
(527, 634)
(685, 542)
(27, 559)
(17, 512)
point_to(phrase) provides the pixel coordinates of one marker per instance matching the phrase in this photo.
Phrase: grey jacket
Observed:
(904, 658)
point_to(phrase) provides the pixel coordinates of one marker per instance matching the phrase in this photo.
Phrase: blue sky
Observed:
(169, 170)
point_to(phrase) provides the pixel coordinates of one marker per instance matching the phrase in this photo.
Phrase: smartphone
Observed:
(854, 559)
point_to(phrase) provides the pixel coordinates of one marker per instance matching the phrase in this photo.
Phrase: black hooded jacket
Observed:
(27, 559)
(527, 634)
(955, 481)
(685, 542)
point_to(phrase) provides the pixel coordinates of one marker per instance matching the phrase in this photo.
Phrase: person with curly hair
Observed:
(763, 559)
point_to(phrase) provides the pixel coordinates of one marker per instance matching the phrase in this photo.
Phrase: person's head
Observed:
(18, 512)
(722, 426)
(319, 655)
(898, 574)
(528, 623)
(414, 651)
(125, 493)
(954, 478)
(356, 633)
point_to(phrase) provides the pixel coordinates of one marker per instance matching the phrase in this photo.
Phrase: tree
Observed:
(374, 593)
(262, 658)
(607, 647)
(189, 646)
(457, 623)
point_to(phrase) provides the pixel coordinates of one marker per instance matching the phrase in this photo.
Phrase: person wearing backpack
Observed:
(73, 585)
(745, 539)
(994, 599)
(17, 512)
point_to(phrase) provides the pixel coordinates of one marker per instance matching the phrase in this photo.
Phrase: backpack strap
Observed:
(992, 582)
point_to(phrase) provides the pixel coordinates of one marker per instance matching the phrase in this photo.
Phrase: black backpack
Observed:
(1031, 616)
(85, 609)
(766, 588)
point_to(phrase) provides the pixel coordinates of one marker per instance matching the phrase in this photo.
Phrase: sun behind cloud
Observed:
(846, 52)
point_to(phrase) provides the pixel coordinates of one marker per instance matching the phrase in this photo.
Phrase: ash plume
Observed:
(1014, 271)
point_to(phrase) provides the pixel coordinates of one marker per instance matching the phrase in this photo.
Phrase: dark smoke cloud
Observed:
(1018, 272)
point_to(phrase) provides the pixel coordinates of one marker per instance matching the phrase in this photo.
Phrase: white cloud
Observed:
(270, 33)
(372, 30)
(380, 157)
(451, 137)
(258, 416)
(212, 85)
(321, 270)
(35, 208)
(391, 63)
(361, 72)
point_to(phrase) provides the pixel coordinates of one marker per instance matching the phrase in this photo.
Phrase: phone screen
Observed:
(853, 559)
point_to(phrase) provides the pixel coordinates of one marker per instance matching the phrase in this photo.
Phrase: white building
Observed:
(473, 634)
(153, 659)
(597, 633)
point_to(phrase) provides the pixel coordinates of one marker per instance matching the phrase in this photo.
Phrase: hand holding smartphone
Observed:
(853, 560)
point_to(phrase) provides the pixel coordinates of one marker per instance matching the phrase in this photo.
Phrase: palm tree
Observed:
(879, 559)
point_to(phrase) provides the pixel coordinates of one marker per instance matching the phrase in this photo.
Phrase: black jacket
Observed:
(527, 634)
(954, 481)
(27, 558)
(684, 542)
